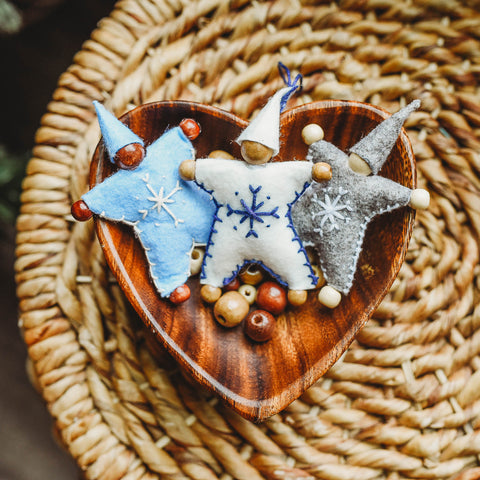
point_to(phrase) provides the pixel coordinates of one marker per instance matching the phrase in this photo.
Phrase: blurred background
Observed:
(38, 39)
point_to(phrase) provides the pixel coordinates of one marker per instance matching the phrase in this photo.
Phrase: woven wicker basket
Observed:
(404, 401)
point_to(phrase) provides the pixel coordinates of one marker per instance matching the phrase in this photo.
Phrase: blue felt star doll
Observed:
(167, 214)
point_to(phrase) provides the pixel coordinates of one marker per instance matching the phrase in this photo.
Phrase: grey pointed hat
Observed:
(377, 145)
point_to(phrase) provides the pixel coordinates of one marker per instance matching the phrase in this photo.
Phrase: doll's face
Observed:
(255, 153)
(359, 165)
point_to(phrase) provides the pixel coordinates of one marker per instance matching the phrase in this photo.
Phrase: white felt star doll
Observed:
(254, 200)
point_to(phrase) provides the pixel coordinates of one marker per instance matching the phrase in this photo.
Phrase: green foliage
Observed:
(12, 171)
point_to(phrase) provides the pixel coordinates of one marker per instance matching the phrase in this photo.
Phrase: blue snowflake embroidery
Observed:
(252, 212)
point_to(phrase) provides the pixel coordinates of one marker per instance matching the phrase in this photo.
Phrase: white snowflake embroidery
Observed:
(331, 211)
(160, 201)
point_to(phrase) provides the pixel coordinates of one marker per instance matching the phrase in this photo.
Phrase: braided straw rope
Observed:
(404, 401)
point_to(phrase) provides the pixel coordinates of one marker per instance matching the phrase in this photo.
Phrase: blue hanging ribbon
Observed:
(287, 79)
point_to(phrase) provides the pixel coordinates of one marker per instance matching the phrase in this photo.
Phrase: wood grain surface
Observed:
(258, 380)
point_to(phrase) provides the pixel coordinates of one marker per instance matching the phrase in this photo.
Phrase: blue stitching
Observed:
(251, 212)
(287, 79)
(256, 262)
(295, 234)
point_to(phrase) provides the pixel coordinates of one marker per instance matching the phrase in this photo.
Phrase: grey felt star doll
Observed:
(332, 216)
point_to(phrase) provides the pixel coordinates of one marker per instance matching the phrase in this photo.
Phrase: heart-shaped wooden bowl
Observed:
(260, 379)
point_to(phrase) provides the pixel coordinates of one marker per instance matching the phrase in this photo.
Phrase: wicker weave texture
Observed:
(404, 401)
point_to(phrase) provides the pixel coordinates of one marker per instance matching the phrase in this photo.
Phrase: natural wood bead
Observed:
(359, 165)
(251, 274)
(210, 294)
(271, 297)
(420, 199)
(180, 294)
(318, 273)
(255, 153)
(321, 172)
(130, 156)
(249, 292)
(297, 297)
(80, 211)
(196, 260)
(190, 128)
(259, 325)
(230, 309)
(221, 154)
(232, 285)
(312, 133)
(329, 296)
(186, 170)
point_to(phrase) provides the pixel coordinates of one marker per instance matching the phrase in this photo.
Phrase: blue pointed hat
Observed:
(116, 134)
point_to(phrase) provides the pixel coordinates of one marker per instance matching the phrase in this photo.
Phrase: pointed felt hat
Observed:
(377, 145)
(116, 134)
(265, 127)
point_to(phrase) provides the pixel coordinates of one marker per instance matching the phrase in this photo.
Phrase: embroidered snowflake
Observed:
(331, 211)
(160, 201)
(252, 212)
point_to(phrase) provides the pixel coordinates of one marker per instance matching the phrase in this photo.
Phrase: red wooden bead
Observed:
(259, 325)
(190, 128)
(271, 297)
(180, 294)
(233, 285)
(130, 156)
(80, 211)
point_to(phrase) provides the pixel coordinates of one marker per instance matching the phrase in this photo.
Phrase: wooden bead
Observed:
(329, 296)
(221, 154)
(251, 274)
(180, 294)
(297, 297)
(80, 211)
(359, 165)
(210, 294)
(249, 292)
(321, 172)
(190, 128)
(420, 199)
(186, 170)
(196, 260)
(271, 297)
(255, 153)
(230, 309)
(312, 133)
(130, 156)
(259, 325)
(232, 285)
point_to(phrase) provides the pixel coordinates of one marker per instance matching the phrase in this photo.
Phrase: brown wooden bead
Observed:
(271, 297)
(130, 156)
(321, 172)
(297, 297)
(319, 274)
(186, 170)
(190, 128)
(80, 211)
(259, 325)
(180, 294)
(210, 294)
(220, 154)
(251, 274)
(230, 309)
(255, 153)
(232, 285)
(249, 292)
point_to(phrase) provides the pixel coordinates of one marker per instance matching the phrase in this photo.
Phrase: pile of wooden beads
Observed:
(252, 299)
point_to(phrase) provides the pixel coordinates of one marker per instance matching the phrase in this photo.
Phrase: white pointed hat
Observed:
(377, 145)
(265, 127)
(116, 134)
